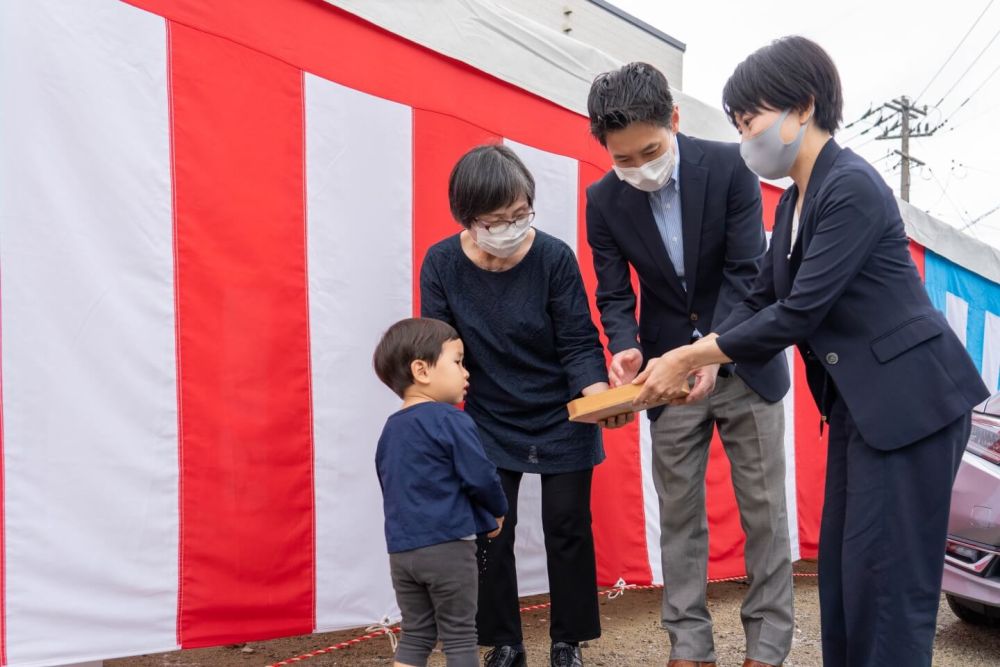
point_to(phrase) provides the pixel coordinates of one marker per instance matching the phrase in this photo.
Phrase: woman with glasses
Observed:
(516, 297)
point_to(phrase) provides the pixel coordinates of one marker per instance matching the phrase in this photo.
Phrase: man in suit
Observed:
(887, 372)
(686, 215)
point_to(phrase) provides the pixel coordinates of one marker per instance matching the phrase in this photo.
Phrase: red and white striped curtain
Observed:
(209, 212)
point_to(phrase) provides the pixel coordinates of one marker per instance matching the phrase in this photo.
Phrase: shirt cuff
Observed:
(579, 382)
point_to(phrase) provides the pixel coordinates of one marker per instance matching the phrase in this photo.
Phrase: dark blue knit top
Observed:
(530, 347)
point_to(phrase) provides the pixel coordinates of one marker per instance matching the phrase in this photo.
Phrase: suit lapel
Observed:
(824, 161)
(790, 255)
(635, 207)
(781, 240)
(694, 185)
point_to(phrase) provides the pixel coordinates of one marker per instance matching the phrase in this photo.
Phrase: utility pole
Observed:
(907, 112)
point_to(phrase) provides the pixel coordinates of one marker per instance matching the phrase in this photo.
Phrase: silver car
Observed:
(972, 560)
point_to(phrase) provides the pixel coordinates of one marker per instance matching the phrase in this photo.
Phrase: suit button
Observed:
(694, 317)
(832, 358)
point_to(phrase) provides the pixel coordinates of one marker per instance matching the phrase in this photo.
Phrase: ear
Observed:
(420, 370)
(807, 112)
(675, 120)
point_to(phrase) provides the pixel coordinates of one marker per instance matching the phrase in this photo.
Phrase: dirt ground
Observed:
(631, 637)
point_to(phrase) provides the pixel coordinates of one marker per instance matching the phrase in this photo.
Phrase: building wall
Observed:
(592, 24)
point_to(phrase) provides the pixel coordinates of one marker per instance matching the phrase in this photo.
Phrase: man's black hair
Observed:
(635, 93)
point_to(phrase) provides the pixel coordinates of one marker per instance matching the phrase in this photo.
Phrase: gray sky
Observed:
(883, 50)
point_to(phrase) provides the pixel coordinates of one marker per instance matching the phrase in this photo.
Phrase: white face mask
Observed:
(502, 244)
(651, 176)
(767, 155)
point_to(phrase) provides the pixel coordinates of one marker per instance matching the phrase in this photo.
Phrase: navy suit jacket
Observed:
(850, 296)
(723, 245)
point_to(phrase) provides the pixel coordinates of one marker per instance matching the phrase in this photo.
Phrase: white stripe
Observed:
(650, 499)
(957, 311)
(556, 190)
(359, 212)
(529, 547)
(791, 489)
(90, 416)
(991, 352)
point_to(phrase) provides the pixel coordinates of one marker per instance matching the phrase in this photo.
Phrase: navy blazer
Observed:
(723, 245)
(850, 296)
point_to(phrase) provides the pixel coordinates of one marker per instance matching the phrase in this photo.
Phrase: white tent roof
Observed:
(546, 62)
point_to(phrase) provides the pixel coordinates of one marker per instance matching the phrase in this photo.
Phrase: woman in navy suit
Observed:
(890, 377)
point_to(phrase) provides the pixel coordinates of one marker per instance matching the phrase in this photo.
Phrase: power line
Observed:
(974, 61)
(882, 119)
(951, 201)
(981, 217)
(971, 95)
(887, 155)
(954, 51)
(966, 121)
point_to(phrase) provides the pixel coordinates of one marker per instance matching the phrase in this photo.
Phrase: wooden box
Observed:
(598, 407)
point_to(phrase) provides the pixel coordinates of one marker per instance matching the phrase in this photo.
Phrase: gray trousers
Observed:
(436, 589)
(752, 432)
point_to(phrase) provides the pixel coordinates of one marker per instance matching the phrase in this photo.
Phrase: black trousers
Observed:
(569, 551)
(882, 542)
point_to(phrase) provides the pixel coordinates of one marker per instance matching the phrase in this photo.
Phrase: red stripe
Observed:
(918, 254)
(438, 142)
(617, 502)
(770, 195)
(247, 549)
(810, 462)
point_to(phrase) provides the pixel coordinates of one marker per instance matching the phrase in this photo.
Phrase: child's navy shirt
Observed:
(437, 484)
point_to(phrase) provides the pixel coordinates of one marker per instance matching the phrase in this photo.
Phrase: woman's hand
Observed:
(496, 532)
(611, 422)
(595, 388)
(704, 384)
(664, 377)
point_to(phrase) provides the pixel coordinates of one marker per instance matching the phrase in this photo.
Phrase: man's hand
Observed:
(624, 366)
(704, 384)
(664, 377)
(496, 532)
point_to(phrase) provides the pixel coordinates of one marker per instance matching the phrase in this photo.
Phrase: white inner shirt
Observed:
(795, 228)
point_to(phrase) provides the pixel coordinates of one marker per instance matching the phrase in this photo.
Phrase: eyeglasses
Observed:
(500, 226)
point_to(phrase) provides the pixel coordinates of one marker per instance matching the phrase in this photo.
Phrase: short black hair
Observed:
(406, 341)
(788, 73)
(635, 93)
(485, 179)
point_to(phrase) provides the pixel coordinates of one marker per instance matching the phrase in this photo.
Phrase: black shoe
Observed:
(506, 656)
(566, 655)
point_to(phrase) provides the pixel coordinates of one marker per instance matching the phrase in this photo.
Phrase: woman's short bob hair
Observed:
(788, 73)
(485, 179)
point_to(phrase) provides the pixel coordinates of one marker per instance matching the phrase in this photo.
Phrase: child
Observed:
(439, 490)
